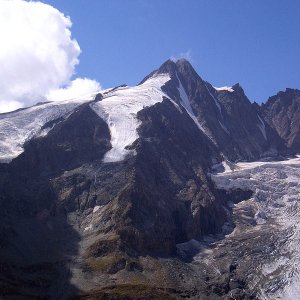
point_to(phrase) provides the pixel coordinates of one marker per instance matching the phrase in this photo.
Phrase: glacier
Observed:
(22, 125)
(119, 110)
(276, 199)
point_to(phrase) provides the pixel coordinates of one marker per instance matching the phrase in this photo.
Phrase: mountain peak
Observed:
(168, 67)
(171, 65)
(182, 62)
(181, 67)
(238, 89)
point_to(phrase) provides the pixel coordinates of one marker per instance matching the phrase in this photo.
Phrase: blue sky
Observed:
(255, 43)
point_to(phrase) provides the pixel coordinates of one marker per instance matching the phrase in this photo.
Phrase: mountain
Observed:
(107, 196)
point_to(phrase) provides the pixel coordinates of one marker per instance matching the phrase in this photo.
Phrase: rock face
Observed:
(36, 237)
(282, 112)
(226, 116)
(72, 224)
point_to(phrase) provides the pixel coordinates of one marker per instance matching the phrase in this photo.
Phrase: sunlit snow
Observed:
(119, 109)
(20, 126)
(224, 88)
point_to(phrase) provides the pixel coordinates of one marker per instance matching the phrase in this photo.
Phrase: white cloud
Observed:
(187, 55)
(11, 105)
(37, 53)
(78, 88)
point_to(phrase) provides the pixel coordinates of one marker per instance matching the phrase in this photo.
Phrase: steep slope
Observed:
(282, 112)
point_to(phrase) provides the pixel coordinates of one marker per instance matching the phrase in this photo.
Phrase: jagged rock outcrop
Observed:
(226, 116)
(282, 112)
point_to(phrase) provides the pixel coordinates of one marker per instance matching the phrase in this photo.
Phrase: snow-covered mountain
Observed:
(155, 187)
(118, 107)
(224, 115)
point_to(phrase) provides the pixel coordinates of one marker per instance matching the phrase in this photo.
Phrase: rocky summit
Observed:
(172, 189)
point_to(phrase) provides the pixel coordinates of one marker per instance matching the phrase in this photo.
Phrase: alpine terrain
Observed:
(171, 189)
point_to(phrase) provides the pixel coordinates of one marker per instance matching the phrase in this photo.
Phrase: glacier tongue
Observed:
(119, 110)
(276, 187)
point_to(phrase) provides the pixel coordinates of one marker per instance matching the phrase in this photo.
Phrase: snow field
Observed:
(119, 110)
(20, 126)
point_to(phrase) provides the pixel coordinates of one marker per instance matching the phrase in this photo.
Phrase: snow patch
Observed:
(227, 166)
(224, 88)
(185, 102)
(224, 127)
(88, 228)
(215, 100)
(262, 127)
(224, 167)
(96, 208)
